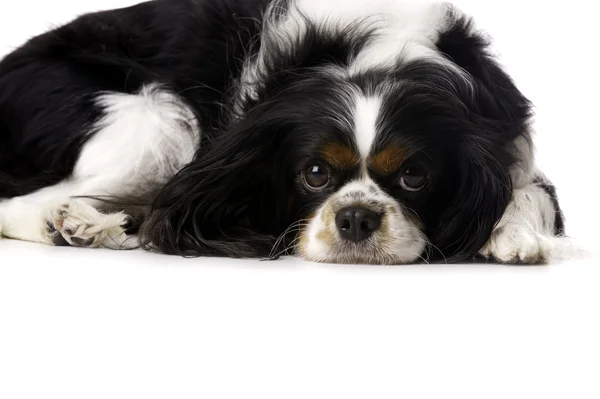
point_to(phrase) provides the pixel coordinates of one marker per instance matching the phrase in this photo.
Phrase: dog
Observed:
(342, 131)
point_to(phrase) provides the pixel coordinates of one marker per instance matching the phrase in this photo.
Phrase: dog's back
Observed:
(49, 88)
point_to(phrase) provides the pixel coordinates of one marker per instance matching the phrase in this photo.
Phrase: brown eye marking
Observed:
(340, 156)
(388, 161)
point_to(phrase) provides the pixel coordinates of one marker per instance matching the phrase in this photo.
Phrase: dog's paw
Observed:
(517, 244)
(78, 224)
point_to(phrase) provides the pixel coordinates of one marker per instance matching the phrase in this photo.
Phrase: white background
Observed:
(99, 324)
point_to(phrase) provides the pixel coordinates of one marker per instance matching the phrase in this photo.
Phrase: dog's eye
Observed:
(413, 179)
(316, 177)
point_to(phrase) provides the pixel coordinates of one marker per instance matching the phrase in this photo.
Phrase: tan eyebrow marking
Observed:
(340, 155)
(388, 160)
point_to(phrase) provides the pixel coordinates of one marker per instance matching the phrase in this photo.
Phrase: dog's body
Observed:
(354, 131)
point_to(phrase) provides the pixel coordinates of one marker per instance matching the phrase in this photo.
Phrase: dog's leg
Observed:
(142, 141)
(533, 219)
(526, 233)
(50, 216)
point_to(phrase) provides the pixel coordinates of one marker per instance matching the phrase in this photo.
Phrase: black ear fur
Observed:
(483, 193)
(224, 203)
(500, 113)
(496, 95)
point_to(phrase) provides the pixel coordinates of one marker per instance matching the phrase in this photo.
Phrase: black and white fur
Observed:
(198, 118)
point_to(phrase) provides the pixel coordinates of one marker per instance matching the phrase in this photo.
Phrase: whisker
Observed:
(292, 245)
(296, 226)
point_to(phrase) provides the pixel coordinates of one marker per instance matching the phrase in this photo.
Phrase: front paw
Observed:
(517, 244)
(75, 223)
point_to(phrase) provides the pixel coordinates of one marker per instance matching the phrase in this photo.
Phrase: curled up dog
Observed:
(345, 131)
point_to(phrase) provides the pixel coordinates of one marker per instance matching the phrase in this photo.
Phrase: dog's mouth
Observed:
(361, 235)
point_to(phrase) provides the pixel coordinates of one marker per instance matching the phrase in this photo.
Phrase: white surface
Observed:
(99, 324)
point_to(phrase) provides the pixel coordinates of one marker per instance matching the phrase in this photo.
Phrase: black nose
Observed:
(357, 224)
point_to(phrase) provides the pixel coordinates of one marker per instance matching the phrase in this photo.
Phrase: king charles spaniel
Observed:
(344, 131)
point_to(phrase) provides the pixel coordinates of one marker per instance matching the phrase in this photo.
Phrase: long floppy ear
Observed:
(499, 114)
(496, 96)
(483, 191)
(224, 203)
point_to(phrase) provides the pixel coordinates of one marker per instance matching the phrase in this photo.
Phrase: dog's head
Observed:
(384, 164)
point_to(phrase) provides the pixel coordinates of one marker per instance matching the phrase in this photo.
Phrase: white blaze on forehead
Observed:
(366, 113)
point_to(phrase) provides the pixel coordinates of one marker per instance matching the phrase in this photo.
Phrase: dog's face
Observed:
(376, 161)
(370, 181)
(367, 217)
(385, 165)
